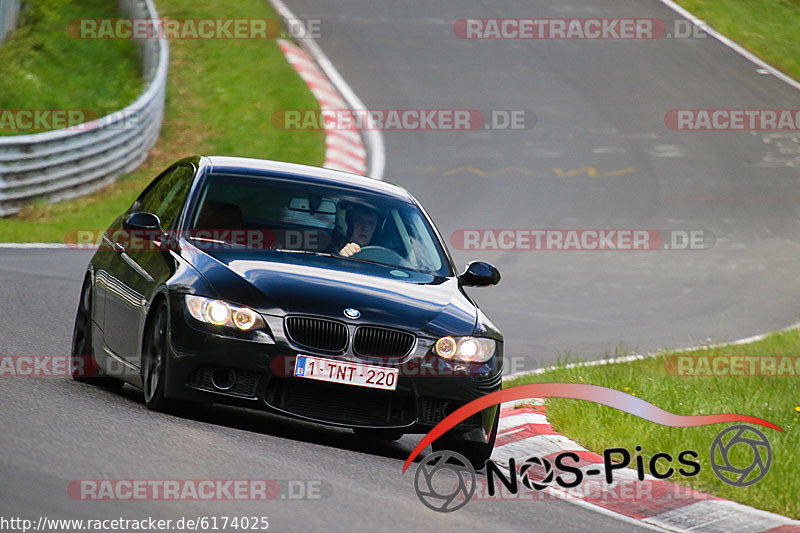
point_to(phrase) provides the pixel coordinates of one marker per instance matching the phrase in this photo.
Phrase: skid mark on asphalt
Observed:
(784, 150)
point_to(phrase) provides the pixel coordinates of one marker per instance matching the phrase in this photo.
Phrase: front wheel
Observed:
(477, 453)
(83, 366)
(154, 360)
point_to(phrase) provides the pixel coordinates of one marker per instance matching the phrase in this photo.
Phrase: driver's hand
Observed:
(350, 249)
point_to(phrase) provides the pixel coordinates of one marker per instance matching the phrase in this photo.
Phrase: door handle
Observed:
(114, 245)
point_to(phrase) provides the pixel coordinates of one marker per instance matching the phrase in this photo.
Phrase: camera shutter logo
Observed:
(546, 477)
(734, 475)
(454, 487)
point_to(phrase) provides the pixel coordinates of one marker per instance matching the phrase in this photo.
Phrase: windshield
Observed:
(279, 215)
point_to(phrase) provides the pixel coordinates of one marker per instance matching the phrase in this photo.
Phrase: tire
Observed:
(83, 366)
(155, 350)
(477, 453)
(378, 434)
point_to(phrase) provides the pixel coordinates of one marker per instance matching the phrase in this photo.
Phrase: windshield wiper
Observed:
(215, 241)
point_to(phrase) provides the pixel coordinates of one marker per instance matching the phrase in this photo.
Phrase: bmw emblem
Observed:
(351, 313)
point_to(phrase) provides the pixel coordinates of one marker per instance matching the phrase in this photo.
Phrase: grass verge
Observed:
(220, 97)
(768, 28)
(773, 398)
(42, 67)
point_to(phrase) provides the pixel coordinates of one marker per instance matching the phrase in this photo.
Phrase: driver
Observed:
(361, 228)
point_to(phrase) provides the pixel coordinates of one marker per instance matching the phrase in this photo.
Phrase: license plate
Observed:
(376, 377)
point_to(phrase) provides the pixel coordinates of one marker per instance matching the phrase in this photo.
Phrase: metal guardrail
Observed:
(9, 11)
(61, 164)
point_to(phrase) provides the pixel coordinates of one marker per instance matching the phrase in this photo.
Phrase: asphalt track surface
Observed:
(599, 104)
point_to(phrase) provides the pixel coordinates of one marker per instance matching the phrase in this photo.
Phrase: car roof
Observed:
(306, 173)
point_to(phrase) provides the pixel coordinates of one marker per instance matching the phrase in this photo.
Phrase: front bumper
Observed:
(205, 367)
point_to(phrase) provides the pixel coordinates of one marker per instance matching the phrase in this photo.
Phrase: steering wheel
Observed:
(381, 254)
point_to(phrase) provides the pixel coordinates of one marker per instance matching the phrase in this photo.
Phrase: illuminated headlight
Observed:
(469, 349)
(219, 313)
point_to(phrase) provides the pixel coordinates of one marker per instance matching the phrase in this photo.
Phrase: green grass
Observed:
(42, 67)
(768, 28)
(772, 398)
(220, 96)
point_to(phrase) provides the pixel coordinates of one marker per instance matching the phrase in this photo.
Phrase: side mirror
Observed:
(141, 222)
(145, 225)
(479, 274)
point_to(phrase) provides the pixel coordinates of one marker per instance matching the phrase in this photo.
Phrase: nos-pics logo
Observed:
(445, 481)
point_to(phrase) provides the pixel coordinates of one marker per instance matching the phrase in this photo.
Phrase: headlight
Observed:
(469, 349)
(219, 313)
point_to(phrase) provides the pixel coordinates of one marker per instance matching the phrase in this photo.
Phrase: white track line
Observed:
(736, 47)
(636, 357)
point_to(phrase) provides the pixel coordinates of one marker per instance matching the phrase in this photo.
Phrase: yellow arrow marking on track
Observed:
(591, 171)
(465, 169)
(620, 172)
(506, 170)
(569, 173)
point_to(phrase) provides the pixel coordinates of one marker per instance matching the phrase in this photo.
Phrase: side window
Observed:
(166, 196)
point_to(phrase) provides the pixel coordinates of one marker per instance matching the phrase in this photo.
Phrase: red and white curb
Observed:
(524, 431)
(344, 148)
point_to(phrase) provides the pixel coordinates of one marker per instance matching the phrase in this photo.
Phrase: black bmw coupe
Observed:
(312, 293)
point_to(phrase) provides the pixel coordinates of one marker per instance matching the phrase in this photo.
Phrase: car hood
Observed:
(291, 283)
